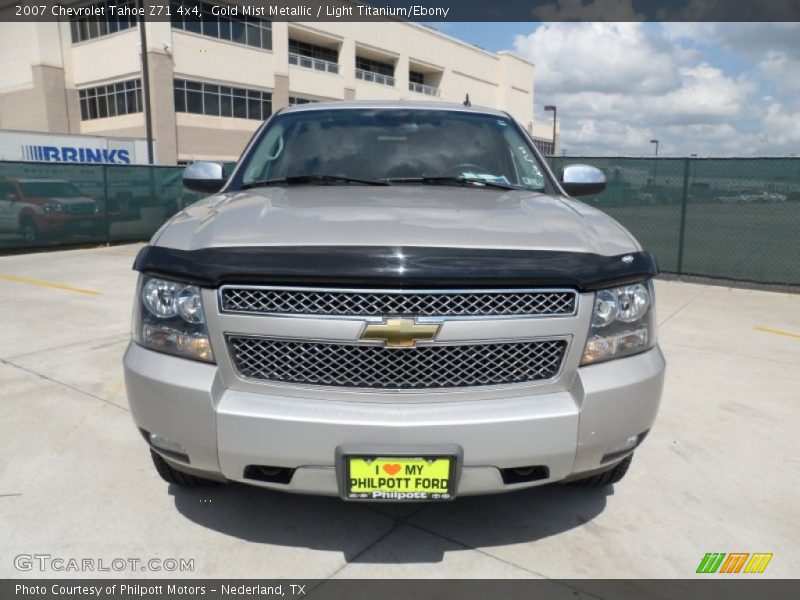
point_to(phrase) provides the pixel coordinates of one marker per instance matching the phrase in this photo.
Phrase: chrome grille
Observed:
(376, 302)
(367, 366)
(80, 209)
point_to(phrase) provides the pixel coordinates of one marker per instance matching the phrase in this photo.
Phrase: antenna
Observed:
(467, 102)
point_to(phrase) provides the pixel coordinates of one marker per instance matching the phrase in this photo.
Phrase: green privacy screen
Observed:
(46, 205)
(733, 218)
(728, 218)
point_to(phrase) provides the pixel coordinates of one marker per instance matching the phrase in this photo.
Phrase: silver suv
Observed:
(393, 301)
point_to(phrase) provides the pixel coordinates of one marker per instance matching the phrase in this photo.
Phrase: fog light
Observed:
(628, 444)
(626, 447)
(163, 443)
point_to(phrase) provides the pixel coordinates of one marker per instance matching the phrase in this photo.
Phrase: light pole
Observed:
(655, 164)
(148, 117)
(552, 107)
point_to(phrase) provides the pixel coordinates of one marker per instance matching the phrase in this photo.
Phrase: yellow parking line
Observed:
(778, 332)
(48, 284)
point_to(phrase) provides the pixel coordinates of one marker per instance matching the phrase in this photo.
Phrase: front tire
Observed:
(29, 231)
(173, 475)
(613, 475)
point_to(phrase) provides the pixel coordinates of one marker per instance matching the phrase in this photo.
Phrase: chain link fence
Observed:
(60, 204)
(46, 205)
(726, 218)
(731, 218)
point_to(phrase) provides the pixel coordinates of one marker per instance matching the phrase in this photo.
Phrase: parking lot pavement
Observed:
(719, 473)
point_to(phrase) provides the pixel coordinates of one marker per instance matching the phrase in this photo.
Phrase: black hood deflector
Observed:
(394, 267)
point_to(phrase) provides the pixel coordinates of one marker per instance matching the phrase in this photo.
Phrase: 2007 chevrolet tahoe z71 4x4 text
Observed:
(393, 301)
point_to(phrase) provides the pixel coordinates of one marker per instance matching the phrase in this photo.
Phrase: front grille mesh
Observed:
(367, 366)
(332, 302)
(80, 209)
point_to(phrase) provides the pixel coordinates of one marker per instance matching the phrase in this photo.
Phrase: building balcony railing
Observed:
(317, 64)
(420, 88)
(374, 77)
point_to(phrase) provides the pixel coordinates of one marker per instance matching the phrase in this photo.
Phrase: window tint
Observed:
(197, 17)
(87, 28)
(397, 143)
(121, 98)
(215, 100)
(49, 189)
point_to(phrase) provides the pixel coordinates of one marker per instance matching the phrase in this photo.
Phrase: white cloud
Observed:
(618, 85)
(705, 95)
(783, 72)
(597, 57)
(747, 39)
(782, 128)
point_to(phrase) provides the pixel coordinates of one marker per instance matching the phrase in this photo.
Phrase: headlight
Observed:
(52, 207)
(160, 298)
(623, 323)
(632, 302)
(169, 318)
(605, 308)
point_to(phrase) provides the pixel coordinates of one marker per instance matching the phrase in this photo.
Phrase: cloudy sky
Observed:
(715, 89)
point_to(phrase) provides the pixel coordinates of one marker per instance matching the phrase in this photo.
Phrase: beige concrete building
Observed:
(213, 79)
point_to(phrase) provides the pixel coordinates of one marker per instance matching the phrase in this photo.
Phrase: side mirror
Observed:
(582, 180)
(205, 177)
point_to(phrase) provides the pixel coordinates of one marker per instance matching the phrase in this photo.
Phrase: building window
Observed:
(374, 71)
(196, 17)
(87, 28)
(416, 83)
(121, 98)
(312, 51)
(544, 146)
(221, 100)
(295, 100)
(314, 57)
(374, 66)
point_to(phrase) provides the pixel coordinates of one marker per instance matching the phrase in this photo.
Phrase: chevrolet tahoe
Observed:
(393, 301)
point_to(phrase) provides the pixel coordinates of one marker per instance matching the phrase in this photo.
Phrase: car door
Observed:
(8, 200)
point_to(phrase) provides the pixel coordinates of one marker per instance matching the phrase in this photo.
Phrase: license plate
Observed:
(399, 478)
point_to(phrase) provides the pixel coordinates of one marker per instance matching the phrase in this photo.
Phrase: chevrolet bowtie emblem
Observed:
(401, 333)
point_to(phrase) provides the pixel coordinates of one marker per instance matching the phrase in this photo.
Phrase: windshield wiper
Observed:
(311, 179)
(474, 181)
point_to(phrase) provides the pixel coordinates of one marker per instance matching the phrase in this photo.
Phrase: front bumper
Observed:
(223, 430)
(68, 223)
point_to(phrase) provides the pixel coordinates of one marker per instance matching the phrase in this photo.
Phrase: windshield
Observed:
(49, 189)
(394, 145)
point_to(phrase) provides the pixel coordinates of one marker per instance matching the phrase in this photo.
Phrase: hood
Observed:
(399, 215)
(70, 200)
